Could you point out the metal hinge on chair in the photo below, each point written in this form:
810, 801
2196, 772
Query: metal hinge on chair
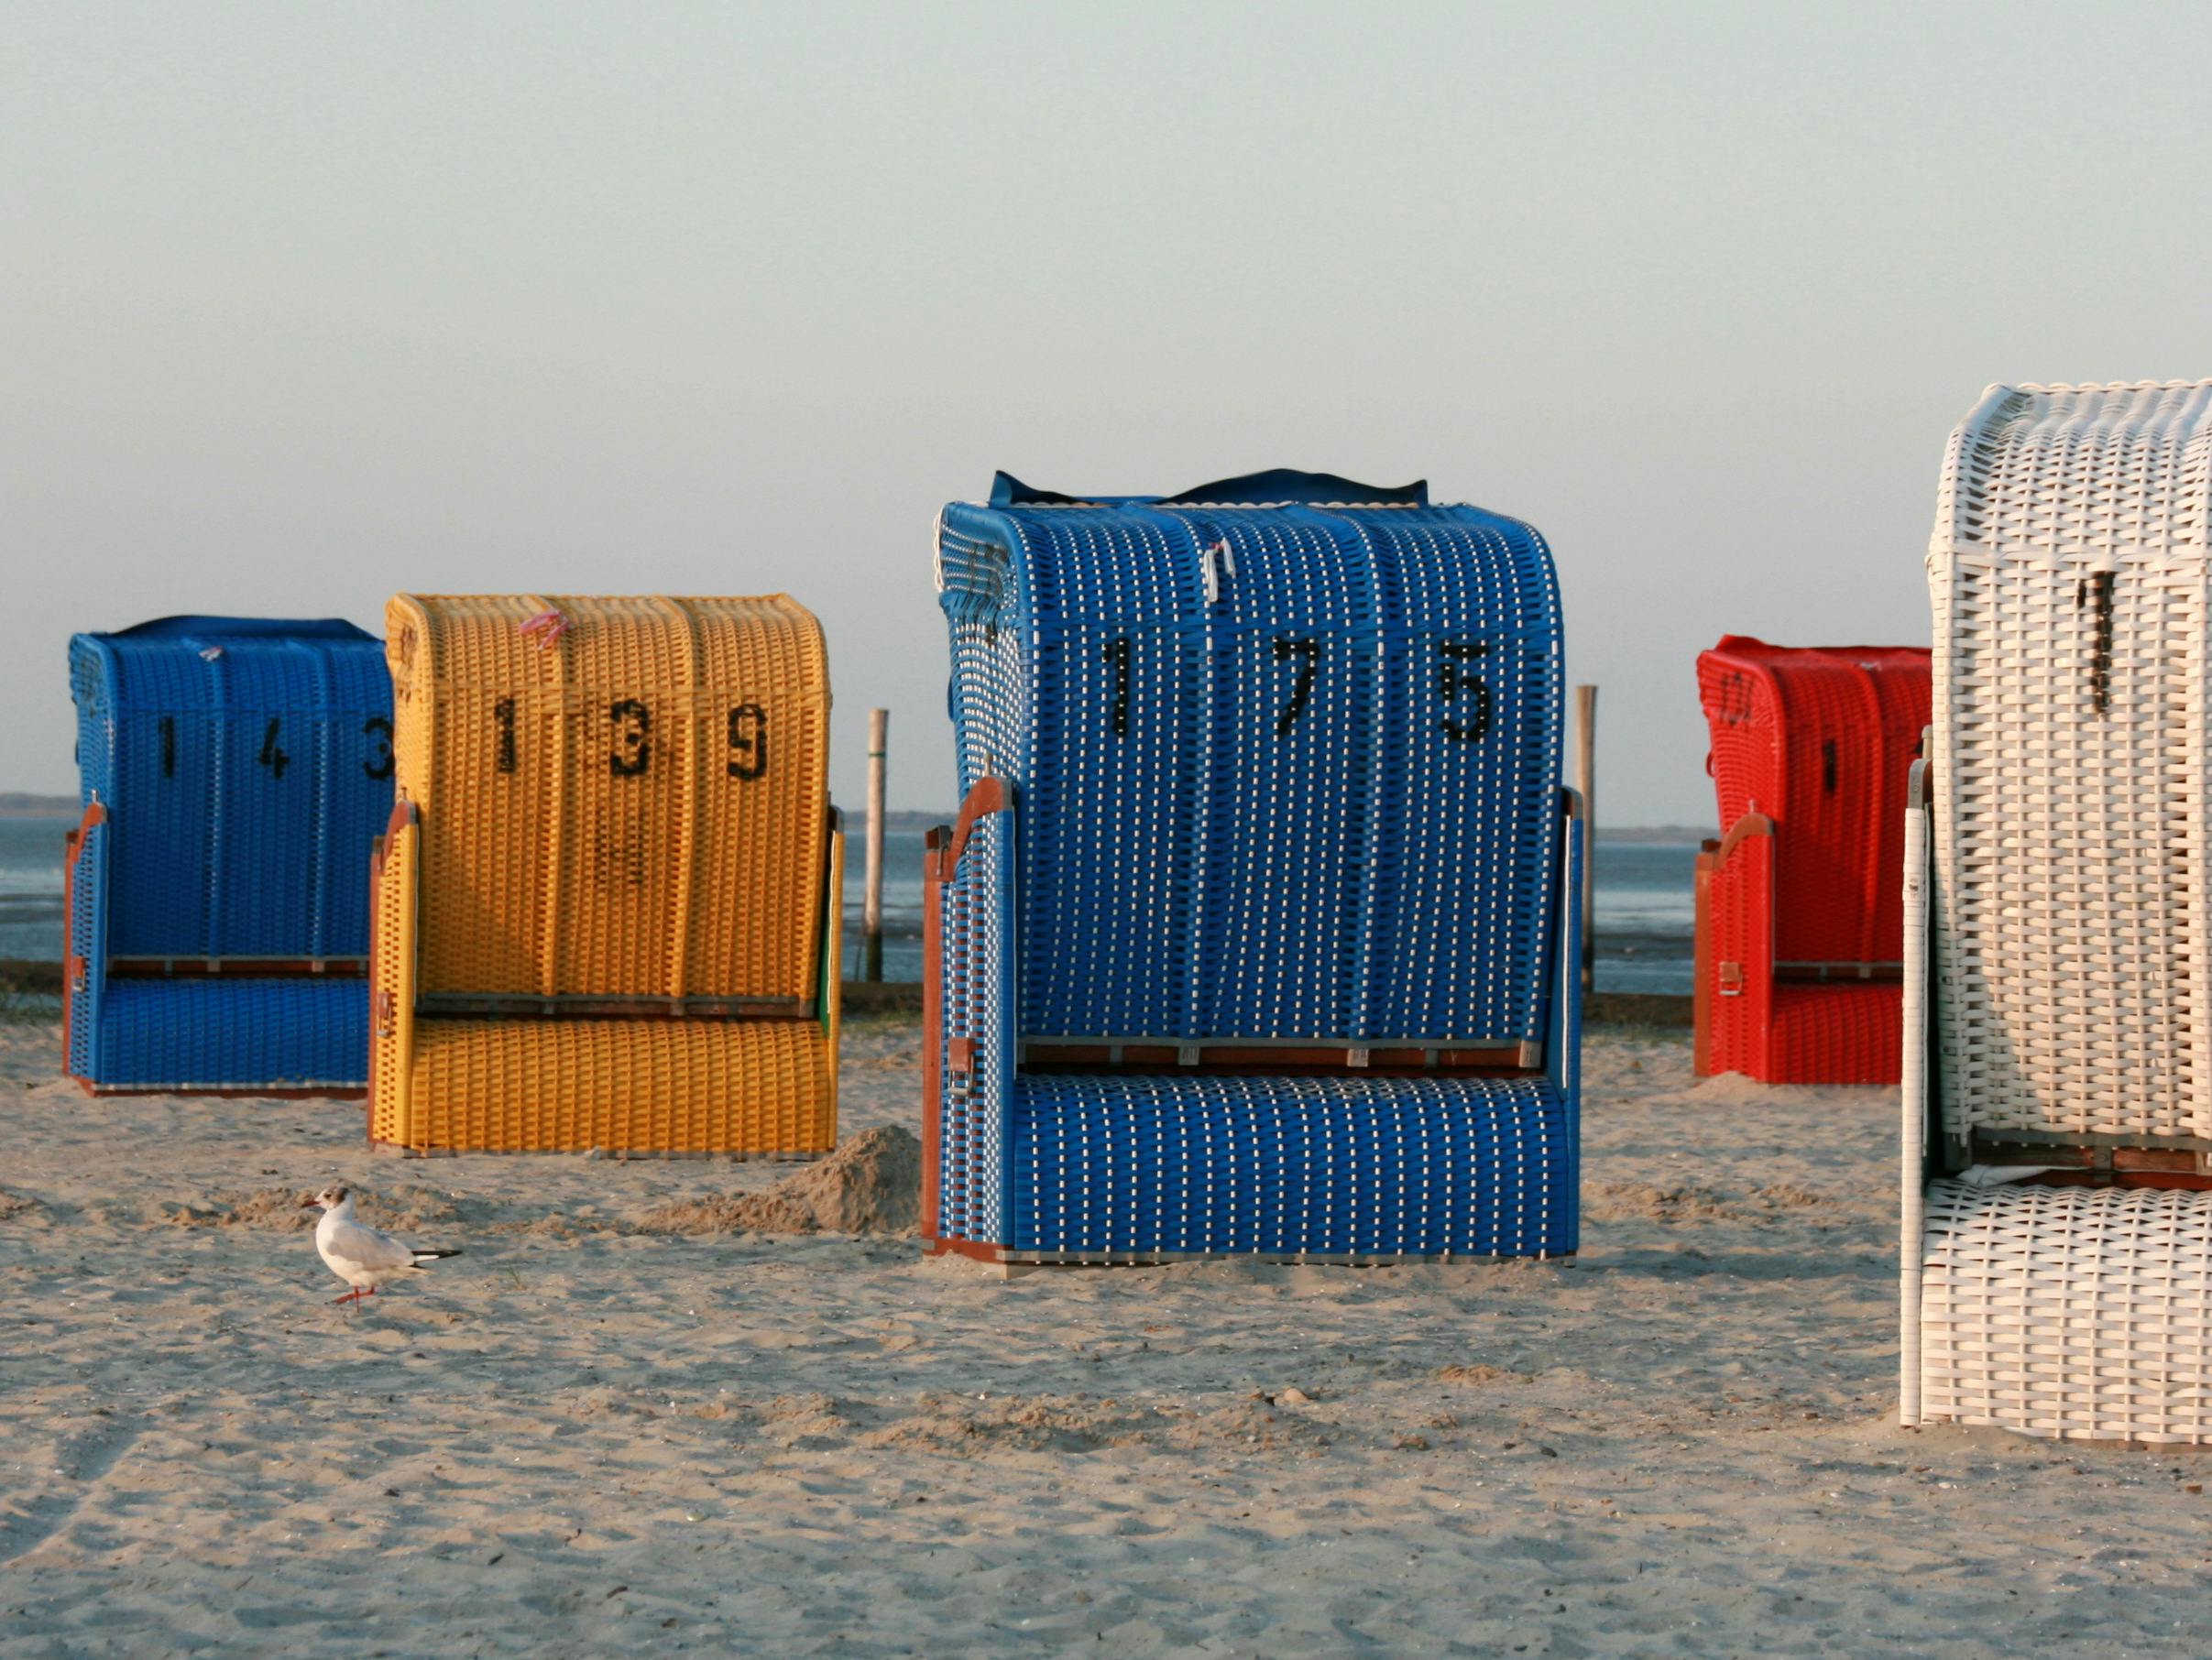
1732, 979
961, 1065
1214, 572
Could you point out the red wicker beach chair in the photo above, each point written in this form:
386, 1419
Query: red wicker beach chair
1800, 955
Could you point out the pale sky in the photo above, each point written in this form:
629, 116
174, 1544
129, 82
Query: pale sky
303, 304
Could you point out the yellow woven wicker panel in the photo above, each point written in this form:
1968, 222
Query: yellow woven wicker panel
391, 981
629, 805
757, 1088
764, 769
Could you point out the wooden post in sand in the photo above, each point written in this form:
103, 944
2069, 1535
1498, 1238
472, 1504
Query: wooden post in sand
871, 917
1585, 781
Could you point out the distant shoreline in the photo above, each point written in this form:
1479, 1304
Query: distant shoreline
17, 804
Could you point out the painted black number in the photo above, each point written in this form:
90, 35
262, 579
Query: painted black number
272, 757
1735, 699
168, 746
378, 728
2100, 649
749, 738
636, 738
504, 713
1308, 653
1452, 680
1116, 651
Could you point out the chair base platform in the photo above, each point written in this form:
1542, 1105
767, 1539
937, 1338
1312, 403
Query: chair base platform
2067, 1312
613, 1154
1000, 1255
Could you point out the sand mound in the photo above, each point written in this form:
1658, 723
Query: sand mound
730, 1213
1733, 1090
13, 1205
988, 1425
870, 1184
1686, 1202
1480, 1372
279, 1209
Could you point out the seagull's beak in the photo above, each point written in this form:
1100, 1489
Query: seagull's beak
314, 1204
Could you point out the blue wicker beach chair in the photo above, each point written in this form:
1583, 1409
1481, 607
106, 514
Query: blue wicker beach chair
235, 773
1249, 936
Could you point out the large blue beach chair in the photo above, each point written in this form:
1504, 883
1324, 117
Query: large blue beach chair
1251, 935
235, 773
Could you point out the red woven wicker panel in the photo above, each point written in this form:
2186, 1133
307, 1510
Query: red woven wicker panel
1820, 738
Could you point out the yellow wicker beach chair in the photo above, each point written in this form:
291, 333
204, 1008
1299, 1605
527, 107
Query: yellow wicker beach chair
606, 906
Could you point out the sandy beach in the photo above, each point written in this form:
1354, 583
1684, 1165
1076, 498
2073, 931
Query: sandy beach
595, 1433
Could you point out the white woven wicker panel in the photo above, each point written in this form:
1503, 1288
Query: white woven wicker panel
2077, 1311
2069, 573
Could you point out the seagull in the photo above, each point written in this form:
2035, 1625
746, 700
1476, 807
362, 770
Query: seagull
364, 1257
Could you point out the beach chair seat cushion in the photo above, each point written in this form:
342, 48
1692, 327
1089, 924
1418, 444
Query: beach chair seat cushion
2081, 1313
764, 1088
1094, 1167
235, 1034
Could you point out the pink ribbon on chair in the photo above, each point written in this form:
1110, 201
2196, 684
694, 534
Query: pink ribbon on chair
546, 627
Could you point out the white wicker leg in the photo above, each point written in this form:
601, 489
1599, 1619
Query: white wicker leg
1915, 1078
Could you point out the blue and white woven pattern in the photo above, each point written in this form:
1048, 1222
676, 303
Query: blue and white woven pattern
1099, 1167
1094, 1167
245, 767
1287, 772
978, 988
1283, 773
87, 945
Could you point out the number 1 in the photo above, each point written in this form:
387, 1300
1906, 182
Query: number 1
1116, 651
1309, 653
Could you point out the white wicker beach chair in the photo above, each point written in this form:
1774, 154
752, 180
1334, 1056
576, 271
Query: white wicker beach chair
2058, 999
